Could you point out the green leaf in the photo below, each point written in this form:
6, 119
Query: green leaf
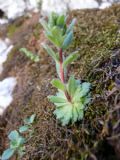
51, 52
61, 21
45, 25
60, 104
52, 19
70, 28
72, 57
20, 141
52, 39
74, 114
58, 68
68, 40
14, 135
21, 151
7, 154
64, 114
56, 99
30, 120
73, 111
58, 84
15, 144
23, 129
58, 37
30, 55
85, 89
72, 86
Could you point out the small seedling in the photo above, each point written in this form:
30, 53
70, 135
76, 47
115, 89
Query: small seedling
28, 125
17, 140
30, 55
16, 145
73, 95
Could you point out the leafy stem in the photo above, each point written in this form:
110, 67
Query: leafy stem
62, 75
73, 95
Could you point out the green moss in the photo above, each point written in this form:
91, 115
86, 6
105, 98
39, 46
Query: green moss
15, 26
36, 31
96, 36
11, 30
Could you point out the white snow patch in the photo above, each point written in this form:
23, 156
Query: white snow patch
6, 89
57, 6
82, 4
12, 8
5, 48
3, 21
32, 4
16, 8
61, 6
7, 85
105, 4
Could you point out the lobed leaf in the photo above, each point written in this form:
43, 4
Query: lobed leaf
64, 114
82, 91
72, 86
85, 89
74, 114
58, 84
56, 99
30, 55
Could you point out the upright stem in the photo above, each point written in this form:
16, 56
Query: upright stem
62, 76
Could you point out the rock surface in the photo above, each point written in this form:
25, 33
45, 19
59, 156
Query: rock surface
97, 35
7, 85
16, 8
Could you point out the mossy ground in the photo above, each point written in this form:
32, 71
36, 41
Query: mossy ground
97, 37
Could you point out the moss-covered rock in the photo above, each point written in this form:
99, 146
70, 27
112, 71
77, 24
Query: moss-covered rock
97, 37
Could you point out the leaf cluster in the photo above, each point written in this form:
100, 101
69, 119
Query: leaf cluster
17, 140
73, 110
27, 127
57, 31
30, 55
72, 96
